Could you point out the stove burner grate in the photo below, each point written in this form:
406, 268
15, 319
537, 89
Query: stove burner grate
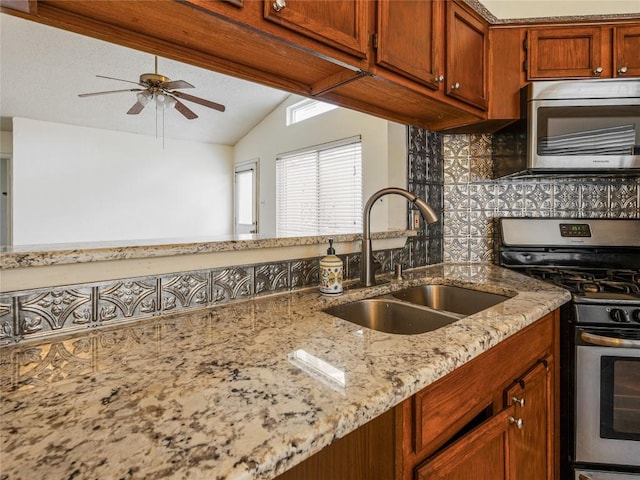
589, 280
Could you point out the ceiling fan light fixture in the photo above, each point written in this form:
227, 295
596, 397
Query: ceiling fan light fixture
170, 102
144, 97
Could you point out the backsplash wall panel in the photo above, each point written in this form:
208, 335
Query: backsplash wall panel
425, 179
473, 200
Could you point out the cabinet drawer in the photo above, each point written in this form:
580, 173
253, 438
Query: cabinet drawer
479, 454
446, 406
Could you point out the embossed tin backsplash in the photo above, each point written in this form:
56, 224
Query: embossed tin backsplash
473, 201
41, 313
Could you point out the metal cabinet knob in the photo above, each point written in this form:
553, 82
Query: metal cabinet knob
598, 71
455, 86
279, 5
439, 78
518, 422
519, 401
622, 70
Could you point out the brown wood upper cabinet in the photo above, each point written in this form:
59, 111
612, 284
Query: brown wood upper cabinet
604, 51
408, 47
341, 24
626, 48
452, 52
466, 56
562, 52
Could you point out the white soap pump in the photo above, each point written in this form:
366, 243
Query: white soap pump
331, 269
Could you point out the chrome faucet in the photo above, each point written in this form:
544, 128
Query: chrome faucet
369, 263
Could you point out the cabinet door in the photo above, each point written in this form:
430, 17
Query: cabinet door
530, 437
337, 23
565, 52
466, 57
409, 37
626, 52
479, 454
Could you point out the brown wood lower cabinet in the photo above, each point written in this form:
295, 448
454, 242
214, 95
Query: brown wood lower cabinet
494, 418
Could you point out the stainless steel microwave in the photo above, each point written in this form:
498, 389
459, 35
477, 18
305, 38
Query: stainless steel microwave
578, 126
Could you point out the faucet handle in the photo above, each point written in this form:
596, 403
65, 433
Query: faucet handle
376, 264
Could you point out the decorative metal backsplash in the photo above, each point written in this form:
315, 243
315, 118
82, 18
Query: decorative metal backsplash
45, 312
473, 200
460, 170
425, 179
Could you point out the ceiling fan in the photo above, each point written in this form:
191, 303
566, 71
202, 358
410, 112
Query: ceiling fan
163, 91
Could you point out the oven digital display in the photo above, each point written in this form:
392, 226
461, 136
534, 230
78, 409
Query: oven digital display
575, 230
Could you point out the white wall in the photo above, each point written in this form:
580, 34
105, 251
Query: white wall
6, 142
384, 157
78, 184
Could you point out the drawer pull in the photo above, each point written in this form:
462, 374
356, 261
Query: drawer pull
279, 5
519, 401
518, 422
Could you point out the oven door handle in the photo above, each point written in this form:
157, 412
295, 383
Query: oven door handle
609, 341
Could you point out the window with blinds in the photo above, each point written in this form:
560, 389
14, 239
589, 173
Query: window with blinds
319, 190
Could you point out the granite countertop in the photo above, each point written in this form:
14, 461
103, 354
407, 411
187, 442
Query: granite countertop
20, 256
241, 391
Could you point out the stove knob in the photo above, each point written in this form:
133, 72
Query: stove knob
619, 315
636, 315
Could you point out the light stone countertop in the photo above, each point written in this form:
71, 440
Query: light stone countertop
234, 392
21, 256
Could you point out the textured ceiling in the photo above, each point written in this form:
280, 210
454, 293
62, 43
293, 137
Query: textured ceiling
506, 9
43, 69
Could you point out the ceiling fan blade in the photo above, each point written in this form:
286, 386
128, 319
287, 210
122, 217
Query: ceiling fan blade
184, 110
176, 84
136, 109
110, 91
201, 101
120, 80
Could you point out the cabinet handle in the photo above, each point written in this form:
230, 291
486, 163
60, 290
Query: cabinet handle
622, 70
279, 5
519, 401
597, 71
455, 86
439, 78
518, 422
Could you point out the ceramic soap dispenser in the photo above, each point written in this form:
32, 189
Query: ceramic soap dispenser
331, 273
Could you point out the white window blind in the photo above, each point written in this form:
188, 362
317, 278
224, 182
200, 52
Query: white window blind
319, 190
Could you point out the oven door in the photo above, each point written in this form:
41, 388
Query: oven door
607, 416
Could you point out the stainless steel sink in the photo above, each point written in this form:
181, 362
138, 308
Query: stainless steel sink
392, 316
463, 301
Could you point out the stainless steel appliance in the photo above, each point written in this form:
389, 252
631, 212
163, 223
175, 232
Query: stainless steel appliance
577, 126
599, 262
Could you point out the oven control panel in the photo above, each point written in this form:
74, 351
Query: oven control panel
608, 314
575, 230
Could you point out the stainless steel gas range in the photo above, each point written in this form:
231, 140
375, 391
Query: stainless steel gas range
599, 262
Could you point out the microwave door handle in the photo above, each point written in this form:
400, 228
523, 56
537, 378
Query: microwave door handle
609, 341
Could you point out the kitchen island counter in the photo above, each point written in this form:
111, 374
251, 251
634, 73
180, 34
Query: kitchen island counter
240, 391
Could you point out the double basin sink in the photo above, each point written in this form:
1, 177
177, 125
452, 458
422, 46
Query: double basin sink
416, 310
